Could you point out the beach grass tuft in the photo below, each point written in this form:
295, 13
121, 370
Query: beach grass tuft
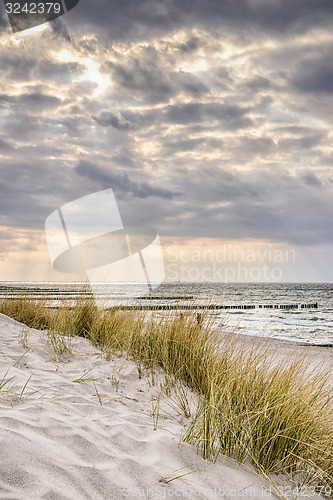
27, 310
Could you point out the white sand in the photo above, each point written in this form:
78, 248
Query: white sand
61, 443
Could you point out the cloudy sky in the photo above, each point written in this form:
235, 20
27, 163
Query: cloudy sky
210, 119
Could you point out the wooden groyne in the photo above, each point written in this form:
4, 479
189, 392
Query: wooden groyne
214, 307
135, 303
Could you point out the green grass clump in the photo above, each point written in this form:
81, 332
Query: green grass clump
249, 405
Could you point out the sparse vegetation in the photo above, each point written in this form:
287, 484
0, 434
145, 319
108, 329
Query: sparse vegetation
60, 343
270, 412
8, 389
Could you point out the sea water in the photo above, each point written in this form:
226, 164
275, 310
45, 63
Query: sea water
312, 325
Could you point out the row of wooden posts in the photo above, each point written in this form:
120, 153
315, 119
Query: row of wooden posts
216, 307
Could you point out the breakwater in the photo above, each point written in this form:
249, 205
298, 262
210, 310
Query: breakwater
217, 307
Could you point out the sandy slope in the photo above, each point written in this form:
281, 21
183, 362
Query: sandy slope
61, 443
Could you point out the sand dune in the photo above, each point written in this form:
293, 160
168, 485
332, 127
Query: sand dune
83, 428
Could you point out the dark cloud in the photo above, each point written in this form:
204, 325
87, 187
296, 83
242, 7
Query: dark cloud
113, 119
315, 75
255, 205
303, 143
228, 116
31, 102
28, 202
191, 45
182, 145
121, 182
139, 19
258, 83
16, 65
60, 30
311, 179
261, 146
142, 19
150, 78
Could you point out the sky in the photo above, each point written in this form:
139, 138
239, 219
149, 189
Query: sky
211, 121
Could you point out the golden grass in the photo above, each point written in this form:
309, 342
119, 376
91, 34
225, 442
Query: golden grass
248, 406
28, 311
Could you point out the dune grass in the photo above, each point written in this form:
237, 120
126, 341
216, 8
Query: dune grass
26, 310
250, 406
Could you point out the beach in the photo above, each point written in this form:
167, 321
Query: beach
279, 350
77, 424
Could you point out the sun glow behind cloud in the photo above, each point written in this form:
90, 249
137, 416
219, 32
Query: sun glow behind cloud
91, 72
66, 56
